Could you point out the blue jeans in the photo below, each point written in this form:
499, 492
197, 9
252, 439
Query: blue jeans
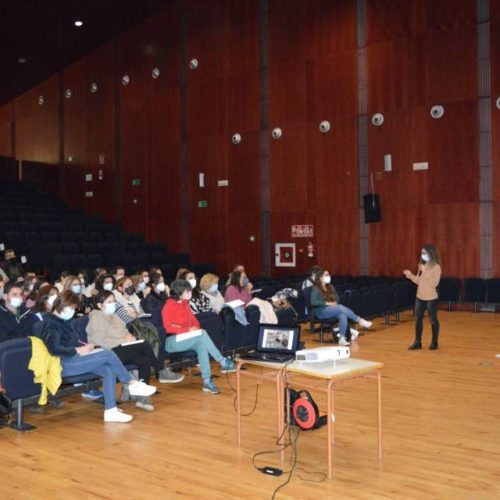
203, 346
105, 364
340, 312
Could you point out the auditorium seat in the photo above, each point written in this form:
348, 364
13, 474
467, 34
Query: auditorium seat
449, 290
494, 291
475, 291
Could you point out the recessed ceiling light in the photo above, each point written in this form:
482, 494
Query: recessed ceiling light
21, 60
78, 23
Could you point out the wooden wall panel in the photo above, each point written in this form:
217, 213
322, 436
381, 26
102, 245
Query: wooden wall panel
37, 127
410, 69
6, 118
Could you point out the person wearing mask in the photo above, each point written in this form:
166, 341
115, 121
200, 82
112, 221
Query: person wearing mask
324, 300
12, 267
104, 282
90, 291
73, 284
84, 280
177, 319
310, 280
128, 304
59, 283
16, 320
158, 294
108, 331
45, 298
199, 302
427, 280
238, 288
209, 286
139, 285
77, 358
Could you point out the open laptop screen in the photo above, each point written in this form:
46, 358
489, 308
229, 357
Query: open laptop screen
278, 339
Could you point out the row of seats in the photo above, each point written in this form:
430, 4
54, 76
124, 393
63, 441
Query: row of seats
58, 224
470, 290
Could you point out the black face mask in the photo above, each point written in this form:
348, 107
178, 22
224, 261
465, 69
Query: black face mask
12, 259
129, 290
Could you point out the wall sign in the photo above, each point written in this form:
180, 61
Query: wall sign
302, 231
284, 254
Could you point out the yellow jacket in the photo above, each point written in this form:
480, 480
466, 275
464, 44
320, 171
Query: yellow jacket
47, 369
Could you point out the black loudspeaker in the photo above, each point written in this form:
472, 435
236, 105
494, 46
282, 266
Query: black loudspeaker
371, 205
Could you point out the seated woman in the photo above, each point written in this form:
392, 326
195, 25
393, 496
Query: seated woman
209, 286
128, 304
199, 302
158, 294
76, 359
239, 287
90, 291
45, 298
73, 284
177, 319
139, 286
324, 300
105, 281
108, 331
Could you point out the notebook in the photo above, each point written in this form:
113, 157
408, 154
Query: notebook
276, 343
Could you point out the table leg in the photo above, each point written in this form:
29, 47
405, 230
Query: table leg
379, 396
238, 401
280, 398
330, 404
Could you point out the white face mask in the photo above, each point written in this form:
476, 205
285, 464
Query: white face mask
326, 279
192, 282
425, 257
51, 299
146, 279
76, 289
108, 286
67, 313
187, 296
160, 287
109, 308
16, 302
141, 286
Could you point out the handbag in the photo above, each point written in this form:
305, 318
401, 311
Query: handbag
5, 406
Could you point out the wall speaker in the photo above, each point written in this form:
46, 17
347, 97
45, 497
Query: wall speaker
371, 205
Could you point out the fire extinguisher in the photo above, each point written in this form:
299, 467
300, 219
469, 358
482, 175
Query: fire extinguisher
310, 250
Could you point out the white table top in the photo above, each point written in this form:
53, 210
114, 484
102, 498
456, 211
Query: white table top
327, 370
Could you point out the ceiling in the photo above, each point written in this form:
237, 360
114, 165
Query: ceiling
43, 33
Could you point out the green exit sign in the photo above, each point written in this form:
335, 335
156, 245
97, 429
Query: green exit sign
136, 182
202, 204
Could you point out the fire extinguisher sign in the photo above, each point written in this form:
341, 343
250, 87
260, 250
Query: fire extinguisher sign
302, 231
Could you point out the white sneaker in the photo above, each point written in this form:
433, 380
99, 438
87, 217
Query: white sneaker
354, 334
139, 388
145, 404
343, 341
116, 415
364, 323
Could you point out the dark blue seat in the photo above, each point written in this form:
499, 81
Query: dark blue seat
211, 322
475, 291
449, 290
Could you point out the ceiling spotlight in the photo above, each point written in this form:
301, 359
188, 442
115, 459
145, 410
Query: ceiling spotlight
78, 23
21, 60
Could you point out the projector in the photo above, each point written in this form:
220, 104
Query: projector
322, 354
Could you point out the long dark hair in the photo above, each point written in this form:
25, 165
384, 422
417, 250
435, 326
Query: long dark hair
326, 290
433, 253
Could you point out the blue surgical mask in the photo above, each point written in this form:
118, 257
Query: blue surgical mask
141, 286
245, 282
213, 289
76, 289
425, 257
16, 302
109, 308
67, 313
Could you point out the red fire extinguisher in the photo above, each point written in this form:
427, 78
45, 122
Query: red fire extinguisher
310, 250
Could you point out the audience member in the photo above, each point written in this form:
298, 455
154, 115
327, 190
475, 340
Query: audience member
139, 285
12, 267
128, 304
74, 285
209, 286
118, 272
16, 320
238, 288
59, 283
45, 298
104, 282
62, 340
90, 291
178, 319
107, 330
158, 294
324, 300
199, 302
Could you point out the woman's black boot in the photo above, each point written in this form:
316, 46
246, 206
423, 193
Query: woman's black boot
416, 345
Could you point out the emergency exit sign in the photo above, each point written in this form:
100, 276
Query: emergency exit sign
202, 204
136, 182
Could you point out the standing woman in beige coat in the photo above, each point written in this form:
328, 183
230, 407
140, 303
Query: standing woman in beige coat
427, 281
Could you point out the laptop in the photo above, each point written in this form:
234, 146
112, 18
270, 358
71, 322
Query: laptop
276, 343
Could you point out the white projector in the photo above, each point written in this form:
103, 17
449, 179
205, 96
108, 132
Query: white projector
322, 354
